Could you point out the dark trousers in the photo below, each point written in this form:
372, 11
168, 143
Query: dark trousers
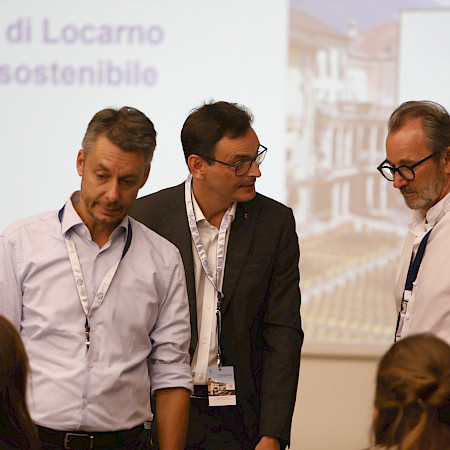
216, 428
211, 428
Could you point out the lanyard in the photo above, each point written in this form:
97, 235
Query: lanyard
413, 270
415, 262
79, 279
215, 279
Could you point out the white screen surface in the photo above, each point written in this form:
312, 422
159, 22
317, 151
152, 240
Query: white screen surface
61, 62
424, 63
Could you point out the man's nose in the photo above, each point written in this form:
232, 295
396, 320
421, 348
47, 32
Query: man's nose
254, 170
112, 194
399, 181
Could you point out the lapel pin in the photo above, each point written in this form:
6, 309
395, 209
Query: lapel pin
245, 216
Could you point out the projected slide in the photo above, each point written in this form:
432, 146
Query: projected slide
321, 77
60, 62
350, 64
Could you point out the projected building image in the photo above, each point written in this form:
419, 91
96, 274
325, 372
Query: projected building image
343, 86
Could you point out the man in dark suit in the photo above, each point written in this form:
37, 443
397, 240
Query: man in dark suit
240, 252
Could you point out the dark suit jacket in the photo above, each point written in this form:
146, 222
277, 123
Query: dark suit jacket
261, 327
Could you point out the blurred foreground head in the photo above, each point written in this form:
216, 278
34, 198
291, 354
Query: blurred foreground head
412, 402
16, 427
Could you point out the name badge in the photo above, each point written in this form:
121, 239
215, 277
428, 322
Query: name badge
221, 386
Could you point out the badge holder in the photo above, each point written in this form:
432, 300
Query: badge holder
221, 386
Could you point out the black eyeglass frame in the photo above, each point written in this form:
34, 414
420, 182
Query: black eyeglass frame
399, 168
252, 160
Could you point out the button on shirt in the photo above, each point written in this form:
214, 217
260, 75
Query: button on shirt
429, 307
206, 352
140, 332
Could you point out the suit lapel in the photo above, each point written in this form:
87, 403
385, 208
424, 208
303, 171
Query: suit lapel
241, 236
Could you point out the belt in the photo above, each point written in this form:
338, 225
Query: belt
88, 439
200, 391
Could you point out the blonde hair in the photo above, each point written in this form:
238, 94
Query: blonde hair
413, 395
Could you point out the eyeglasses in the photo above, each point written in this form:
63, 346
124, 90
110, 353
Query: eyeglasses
406, 172
243, 167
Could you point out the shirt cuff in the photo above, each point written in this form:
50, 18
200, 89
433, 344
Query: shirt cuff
165, 376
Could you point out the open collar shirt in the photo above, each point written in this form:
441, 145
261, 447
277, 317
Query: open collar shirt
139, 335
206, 352
429, 307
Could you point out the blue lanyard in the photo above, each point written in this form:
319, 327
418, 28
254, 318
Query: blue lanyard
415, 262
413, 270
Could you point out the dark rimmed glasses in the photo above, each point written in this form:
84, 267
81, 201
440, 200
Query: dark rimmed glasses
406, 172
243, 167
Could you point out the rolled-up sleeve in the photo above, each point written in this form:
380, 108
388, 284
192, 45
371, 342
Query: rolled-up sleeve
169, 359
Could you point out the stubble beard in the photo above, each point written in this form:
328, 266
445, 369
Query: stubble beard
97, 219
427, 197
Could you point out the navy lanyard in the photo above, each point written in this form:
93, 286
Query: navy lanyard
415, 262
413, 270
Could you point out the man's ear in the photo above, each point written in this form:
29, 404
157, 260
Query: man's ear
197, 166
81, 158
447, 160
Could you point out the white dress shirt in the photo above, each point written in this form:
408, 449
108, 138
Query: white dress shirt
139, 335
429, 307
206, 352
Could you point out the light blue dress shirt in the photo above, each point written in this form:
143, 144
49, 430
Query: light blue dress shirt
139, 335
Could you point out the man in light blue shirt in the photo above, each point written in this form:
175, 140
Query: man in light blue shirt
101, 303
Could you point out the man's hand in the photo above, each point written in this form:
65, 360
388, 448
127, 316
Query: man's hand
268, 443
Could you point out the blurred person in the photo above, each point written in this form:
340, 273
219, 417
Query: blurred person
418, 163
241, 255
412, 400
101, 303
17, 430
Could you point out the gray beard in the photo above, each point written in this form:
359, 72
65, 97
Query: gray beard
428, 196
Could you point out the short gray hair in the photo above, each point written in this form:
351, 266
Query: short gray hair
128, 128
435, 122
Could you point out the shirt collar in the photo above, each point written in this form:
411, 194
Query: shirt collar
70, 219
418, 218
199, 216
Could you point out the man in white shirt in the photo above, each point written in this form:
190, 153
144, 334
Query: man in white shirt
241, 258
101, 303
418, 163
